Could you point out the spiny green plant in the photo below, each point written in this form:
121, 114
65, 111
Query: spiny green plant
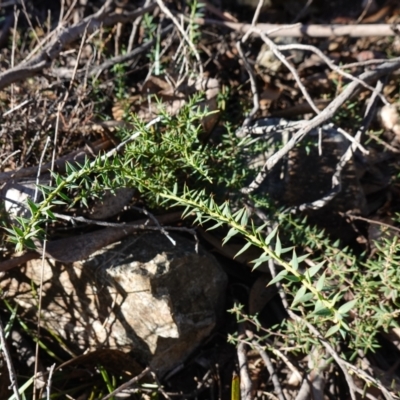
348, 297
157, 158
311, 291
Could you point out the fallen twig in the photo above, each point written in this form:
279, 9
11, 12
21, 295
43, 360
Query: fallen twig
352, 217
18, 260
48, 386
300, 30
330, 64
289, 66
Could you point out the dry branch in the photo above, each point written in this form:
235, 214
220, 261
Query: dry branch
299, 30
321, 118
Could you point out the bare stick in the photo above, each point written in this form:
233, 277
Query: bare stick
302, 11
135, 27
9, 156
366, 63
51, 34
65, 17
131, 138
60, 106
369, 379
10, 365
39, 311
370, 221
141, 226
255, 19
25, 11
300, 30
19, 260
160, 388
245, 381
85, 245
88, 243
16, 14
39, 170
331, 65
289, 66
305, 390
257, 12
364, 11
256, 97
24, 103
154, 219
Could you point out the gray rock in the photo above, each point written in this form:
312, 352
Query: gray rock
142, 296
